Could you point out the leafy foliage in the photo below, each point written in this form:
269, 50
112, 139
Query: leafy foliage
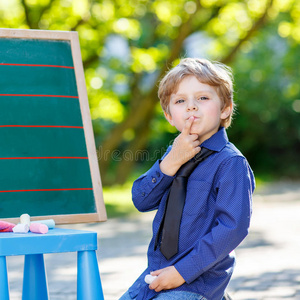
127, 45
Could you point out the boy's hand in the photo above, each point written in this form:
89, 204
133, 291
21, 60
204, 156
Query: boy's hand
168, 278
185, 147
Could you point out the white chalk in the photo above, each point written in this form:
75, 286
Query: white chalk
21, 228
149, 278
25, 219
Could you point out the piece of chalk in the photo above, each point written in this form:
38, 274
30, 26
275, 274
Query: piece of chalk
6, 226
149, 278
21, 228
50, 223
25, 219
38, 228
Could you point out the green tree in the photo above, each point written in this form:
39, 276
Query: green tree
128, 45
268, 93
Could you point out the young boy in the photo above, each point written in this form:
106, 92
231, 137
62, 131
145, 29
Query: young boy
197, 98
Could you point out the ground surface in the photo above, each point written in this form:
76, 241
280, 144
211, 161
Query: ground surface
268, 261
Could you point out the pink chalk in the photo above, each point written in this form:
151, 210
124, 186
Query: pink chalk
6, 226
38, 228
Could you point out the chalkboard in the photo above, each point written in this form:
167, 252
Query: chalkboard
48, 160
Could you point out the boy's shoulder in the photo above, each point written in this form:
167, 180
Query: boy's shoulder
225, 156
231, 150
229, 154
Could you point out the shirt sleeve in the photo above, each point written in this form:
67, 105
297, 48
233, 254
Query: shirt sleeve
149, 188
233, 186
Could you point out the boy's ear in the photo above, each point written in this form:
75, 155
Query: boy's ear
169, 118
226, 111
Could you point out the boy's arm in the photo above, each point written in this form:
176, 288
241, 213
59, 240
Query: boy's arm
148, 189
233, 211
185, 147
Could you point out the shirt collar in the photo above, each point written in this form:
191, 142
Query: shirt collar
217, 141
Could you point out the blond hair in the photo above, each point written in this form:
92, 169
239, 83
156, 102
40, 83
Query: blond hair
214, 74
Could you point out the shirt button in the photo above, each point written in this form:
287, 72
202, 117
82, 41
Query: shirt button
143, 194
153, 179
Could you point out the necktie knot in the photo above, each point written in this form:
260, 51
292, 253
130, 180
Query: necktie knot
187, 169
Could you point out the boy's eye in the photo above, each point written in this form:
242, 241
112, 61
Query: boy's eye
179, 101
203, 98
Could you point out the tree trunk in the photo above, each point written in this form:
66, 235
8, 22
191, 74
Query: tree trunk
134, 153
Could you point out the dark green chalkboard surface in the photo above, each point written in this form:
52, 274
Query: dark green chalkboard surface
48, 161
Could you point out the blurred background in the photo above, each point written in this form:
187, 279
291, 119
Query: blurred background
127, 45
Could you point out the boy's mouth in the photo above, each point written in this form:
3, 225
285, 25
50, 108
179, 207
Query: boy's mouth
195, 118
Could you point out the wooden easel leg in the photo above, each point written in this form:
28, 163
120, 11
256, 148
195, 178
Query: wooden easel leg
34, 280
88, 277
4, 290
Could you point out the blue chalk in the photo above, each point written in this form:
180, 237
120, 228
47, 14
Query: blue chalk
50, 223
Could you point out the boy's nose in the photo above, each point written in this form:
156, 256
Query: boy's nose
191, 105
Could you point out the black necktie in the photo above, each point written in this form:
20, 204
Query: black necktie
171, 220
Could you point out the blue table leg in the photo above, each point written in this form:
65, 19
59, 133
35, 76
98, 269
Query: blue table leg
88, 277
4, 291
34, 280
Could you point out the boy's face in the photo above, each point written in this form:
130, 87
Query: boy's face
194, 98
